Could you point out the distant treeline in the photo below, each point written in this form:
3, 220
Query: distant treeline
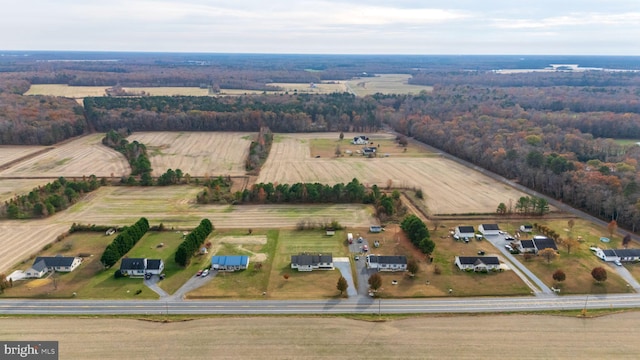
280, 113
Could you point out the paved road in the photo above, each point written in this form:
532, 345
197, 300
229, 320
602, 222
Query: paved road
360, 305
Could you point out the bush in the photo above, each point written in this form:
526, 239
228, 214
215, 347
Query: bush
117, 274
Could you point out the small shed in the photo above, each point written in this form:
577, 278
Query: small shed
330, 231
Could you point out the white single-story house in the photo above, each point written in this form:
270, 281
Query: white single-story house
387, 262
310, 262
461, 232
478, 263
622, 255
489, 229
44, 264
229, 262
140, 266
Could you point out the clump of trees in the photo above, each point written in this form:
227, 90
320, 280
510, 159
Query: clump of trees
418, 233
192, 242
46, 200
134, 152
259, 150
124, 242
216, 190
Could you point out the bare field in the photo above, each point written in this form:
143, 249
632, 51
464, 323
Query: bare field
449, 188
386, 84
196, 153
64, 90
445, 337
10, 153
316, 88
10, 188
82, 156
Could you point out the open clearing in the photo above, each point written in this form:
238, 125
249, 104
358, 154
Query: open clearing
82, 156
386, 84
449, 188
339, 338
196, 153
63, 90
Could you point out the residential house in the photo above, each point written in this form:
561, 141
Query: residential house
229, 262
543, 242
360, 140
44, 264
478, 263
489, 229
135, 267
622, 255
387, 262
526, 228
310, 262
527, 246
464, 232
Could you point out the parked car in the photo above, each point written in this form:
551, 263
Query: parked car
356, 258
508, 247
205, 272
365, 248
199, 273
617, 262
480, 252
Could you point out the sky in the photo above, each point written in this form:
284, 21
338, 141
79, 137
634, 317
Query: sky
452, 27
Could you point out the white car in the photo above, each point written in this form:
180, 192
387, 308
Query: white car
205, 272
617, 262
508, 247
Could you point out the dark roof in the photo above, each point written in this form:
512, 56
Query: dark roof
311, 259
609, 253
490, 226
527, 226
39, 265
388, 259
153, 264
544, 244
132, 264
54, 261
527, 244
627, 252
473, 260
466, 229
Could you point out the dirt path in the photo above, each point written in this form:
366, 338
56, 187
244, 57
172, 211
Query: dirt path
445, 337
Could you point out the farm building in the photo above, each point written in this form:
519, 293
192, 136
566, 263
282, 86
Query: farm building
461, 232
478, 263
44, 264
387, 263
368, 150
229, 262
489, 229
330, 231
141, 266
360, 140
526, 228
310, 262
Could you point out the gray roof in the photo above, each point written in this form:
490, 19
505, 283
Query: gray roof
311, 259
473, 260
132, 264
388, 259
39, 266
466, 229
55, 261
153, 264
544, 244
490, 226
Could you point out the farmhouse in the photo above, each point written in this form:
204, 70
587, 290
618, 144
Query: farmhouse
44, 264
462, 232
140, 266
229, 262
489, 229
310, 262
360, 140
387, 263
527, 246
478, 263
622, 255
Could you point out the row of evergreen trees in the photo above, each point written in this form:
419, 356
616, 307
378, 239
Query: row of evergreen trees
124, 242
192, 242
418, 233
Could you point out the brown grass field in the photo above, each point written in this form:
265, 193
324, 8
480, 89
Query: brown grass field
63, 90
386, 84
196, 153
449, 188
10, 188
79, 157
426, 337
10, 153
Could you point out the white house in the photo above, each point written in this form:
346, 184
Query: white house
526, 228
622, 255
489, 229
360, 140
461, 232
229, 262
140, 266
387, 263
478, 263
310, 262
44, 264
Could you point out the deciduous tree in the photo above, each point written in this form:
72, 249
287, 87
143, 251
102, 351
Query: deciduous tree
412, 266
375, 281
548, 254
342, 284
599, 274
559, 275
612, 227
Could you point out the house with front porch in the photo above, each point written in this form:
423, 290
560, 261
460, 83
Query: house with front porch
464, 231
387, 262
478, 263
44, 264
310, 262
